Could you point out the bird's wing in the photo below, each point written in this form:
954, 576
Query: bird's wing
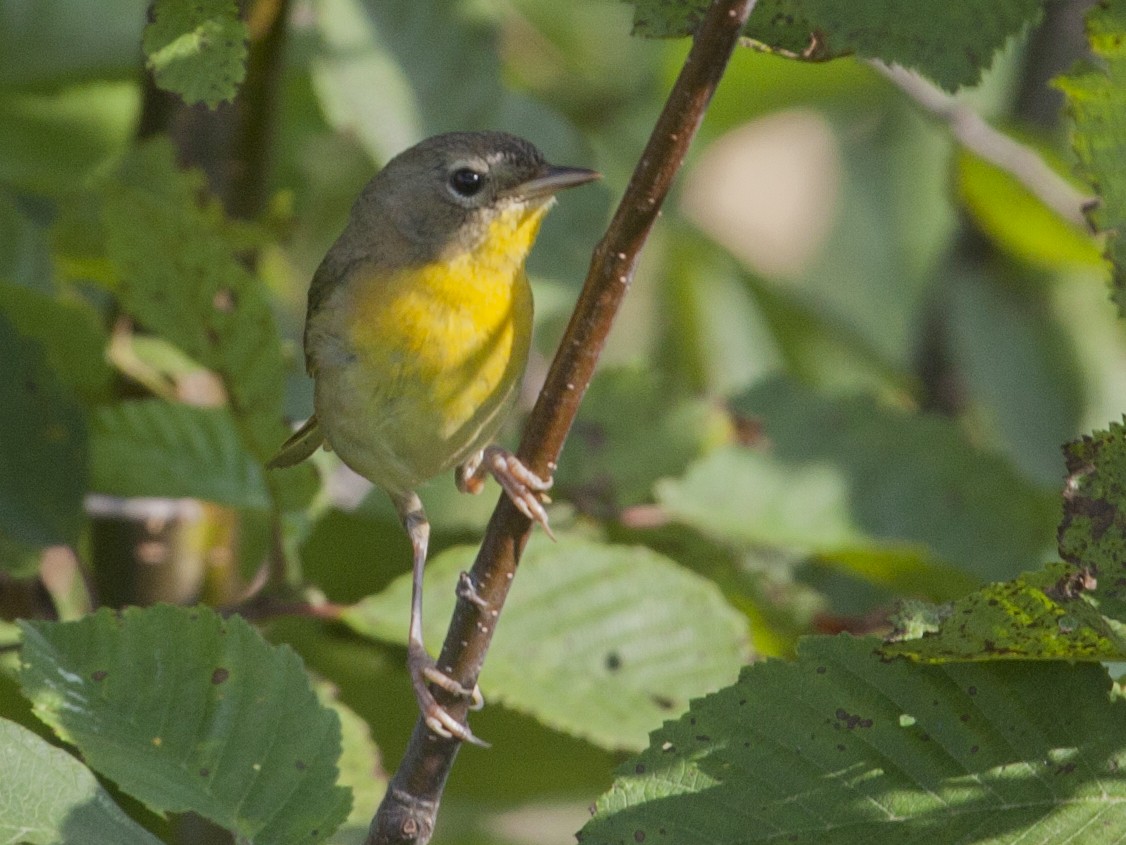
304, 442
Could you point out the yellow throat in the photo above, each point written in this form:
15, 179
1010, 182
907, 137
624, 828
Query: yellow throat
439, 354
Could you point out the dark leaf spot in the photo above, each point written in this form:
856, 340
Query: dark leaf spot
99, 675
220, 675
613, 661
300, 765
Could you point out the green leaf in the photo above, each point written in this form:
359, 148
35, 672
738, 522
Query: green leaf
842, 747
181, 278
950, 42
156, 448
197, 49
846, 472
900, 572
49, 798
43, 462
1096, 106
716, 339
47, 42
361, 770
70, 333
1092, 534
749, 498
1009, 353
630, 431
51, 141
1044, 615
378, 45
1017, 221
602, 642
187, 711
25, 247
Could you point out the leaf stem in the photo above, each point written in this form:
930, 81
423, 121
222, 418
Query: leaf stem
410, 806
975, 133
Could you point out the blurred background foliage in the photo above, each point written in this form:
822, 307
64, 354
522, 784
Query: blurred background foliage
843, 375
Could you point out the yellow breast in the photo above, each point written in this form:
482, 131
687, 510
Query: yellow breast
437, 354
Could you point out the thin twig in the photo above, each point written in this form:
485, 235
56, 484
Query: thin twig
406, 816
974, 133
252, 143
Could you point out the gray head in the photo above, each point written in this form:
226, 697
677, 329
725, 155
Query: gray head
441, 194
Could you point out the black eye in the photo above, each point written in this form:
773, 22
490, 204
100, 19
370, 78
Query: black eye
466, 182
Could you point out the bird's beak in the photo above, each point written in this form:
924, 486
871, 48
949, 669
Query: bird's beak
554, 179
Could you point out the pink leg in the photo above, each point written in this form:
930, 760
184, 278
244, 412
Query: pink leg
423, 669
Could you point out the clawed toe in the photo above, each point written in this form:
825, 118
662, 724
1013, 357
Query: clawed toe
424, 672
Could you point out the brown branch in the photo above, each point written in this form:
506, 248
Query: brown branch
411, 804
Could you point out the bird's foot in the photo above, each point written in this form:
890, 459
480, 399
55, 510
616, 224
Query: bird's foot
424, 671
525, 488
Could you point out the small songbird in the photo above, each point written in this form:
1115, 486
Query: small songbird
417, 335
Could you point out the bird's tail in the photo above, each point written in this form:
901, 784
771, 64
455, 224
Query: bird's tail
304, 442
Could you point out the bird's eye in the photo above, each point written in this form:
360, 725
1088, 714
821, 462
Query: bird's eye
466, 182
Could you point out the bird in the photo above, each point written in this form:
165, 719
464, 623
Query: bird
417, 333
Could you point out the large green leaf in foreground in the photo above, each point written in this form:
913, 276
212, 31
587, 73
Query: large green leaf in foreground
48, 797
190, 712
600, 641
843, 748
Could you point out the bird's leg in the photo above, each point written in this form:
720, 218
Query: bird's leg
423, 670
524, 487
